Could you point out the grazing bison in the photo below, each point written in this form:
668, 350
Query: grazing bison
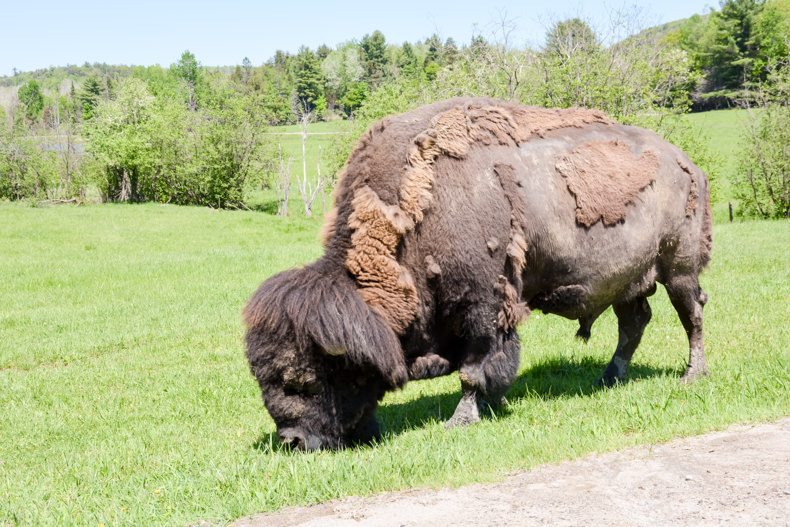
451, 223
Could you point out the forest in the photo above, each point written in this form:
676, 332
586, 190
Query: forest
201, 135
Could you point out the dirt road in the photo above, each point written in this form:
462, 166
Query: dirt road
740, 476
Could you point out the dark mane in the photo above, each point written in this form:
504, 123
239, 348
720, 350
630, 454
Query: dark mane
319, 305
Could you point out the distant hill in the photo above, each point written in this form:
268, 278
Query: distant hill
661, 31
53, 78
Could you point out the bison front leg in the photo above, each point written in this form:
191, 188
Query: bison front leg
688, 299
486, 374
632, 317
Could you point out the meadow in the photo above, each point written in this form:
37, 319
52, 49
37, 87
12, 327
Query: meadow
126, 398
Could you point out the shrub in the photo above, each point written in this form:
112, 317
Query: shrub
25, 170
157, 149
763, 182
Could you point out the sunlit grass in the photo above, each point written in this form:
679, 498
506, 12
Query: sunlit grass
126, 398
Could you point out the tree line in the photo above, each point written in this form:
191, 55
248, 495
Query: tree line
194, 135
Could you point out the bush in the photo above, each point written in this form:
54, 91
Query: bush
25, 171
763, 182
157, 149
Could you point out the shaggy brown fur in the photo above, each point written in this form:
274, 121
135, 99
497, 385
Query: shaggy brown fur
513, 311
378, 227
537, 122
384, 284
517, 247
605, 178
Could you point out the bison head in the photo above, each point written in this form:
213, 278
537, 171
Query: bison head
322, 357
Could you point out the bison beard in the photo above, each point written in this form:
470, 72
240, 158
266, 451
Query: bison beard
451, 223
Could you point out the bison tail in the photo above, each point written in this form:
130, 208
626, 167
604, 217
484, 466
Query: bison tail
706, 239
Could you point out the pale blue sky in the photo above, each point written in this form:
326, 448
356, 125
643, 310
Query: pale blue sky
38, 34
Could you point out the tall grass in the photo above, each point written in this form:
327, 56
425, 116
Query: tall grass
126, 398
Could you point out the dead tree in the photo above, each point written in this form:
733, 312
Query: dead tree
283, 184
307, 189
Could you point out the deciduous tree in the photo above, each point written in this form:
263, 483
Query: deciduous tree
32, 99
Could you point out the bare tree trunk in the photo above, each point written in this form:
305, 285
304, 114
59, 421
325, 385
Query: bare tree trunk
126, 187
306, 189
321, 181
283, 185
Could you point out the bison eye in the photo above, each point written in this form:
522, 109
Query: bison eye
301, 381
313, 388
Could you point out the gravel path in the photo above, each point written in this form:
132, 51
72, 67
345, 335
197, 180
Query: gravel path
740, 476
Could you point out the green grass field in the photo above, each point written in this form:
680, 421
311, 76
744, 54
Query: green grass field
126, 398
724, 129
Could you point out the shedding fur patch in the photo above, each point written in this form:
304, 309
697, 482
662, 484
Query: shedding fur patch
513, 311
378, 227
605, 178
376, 231
691, 202
517, 244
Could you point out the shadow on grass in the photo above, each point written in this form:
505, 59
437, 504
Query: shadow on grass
268, 443
269, 207
558, 377
563, 377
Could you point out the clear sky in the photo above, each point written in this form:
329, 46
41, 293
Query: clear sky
41, 33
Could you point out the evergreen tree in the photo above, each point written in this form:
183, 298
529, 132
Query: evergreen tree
309, 81
236, 76
374, 57
246, 70
89, 96
450, 51
730, 55
433, 58
323, 51
408, 62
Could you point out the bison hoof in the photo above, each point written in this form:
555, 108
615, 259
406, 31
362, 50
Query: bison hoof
466, 413
460, 421
692, 375
607, 381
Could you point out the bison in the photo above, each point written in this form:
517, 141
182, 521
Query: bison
451, 223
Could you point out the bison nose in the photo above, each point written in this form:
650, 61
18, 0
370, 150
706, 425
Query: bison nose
298, 439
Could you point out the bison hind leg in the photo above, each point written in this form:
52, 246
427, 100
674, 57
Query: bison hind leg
632, 317
688, 300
